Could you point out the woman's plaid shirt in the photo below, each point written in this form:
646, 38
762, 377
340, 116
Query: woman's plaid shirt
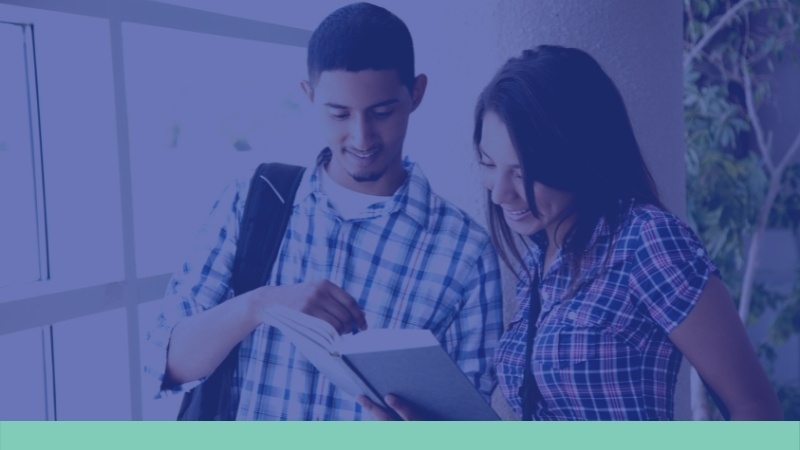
602, 352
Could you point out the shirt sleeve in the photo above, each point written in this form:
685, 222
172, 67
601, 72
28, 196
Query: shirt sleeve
200, 284
472, 337
669, 271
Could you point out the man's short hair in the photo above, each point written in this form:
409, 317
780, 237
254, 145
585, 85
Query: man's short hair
358, 37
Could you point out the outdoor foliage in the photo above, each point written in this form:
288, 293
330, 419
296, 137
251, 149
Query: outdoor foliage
738, 183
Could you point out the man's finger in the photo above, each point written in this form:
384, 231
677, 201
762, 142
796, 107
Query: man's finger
340, 327
402, 408
349, 303
376, 411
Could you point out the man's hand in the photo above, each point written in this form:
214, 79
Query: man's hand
321, 299
402, 408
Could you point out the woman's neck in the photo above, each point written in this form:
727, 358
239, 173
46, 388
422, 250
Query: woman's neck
555, 240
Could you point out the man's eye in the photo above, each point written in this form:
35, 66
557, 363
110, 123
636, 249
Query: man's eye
382, 114
337, 114
485, 163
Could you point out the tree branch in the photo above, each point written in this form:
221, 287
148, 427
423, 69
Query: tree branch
687, 4
723, 20
793, 149
762, 144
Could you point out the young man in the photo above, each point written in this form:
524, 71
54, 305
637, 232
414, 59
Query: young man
368, 244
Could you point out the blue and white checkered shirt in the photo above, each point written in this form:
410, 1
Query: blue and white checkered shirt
602, 350
416, 262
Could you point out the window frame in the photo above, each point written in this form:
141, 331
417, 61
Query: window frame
43, 303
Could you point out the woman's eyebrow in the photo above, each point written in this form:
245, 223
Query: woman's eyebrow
483, 153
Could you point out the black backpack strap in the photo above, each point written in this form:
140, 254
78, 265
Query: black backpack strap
266, 215
267, 210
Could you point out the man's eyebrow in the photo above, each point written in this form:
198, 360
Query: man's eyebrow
389, 102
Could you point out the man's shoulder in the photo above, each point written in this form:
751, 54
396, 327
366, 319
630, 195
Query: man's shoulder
242, 179
446, 217
443, 216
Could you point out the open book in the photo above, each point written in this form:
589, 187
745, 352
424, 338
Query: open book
409, 363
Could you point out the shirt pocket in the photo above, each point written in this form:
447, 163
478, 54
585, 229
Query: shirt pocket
568, 348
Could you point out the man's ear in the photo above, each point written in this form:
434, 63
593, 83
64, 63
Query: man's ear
308, 89
420, 83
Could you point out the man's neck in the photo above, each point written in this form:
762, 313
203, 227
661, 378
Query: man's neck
386, 185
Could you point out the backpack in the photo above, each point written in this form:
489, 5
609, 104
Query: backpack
266, 215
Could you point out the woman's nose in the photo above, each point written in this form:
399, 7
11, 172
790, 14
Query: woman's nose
502, 189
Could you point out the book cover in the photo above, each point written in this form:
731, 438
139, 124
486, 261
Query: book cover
408, 363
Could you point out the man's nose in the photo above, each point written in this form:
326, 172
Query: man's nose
361, 134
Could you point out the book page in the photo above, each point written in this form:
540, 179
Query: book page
384, 339
317, 341
310, 328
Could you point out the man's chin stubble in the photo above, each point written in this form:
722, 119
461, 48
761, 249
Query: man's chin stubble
367, 178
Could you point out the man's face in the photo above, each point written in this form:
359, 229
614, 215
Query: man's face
365, 116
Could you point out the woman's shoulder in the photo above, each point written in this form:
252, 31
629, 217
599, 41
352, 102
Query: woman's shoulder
644, 218
659, 232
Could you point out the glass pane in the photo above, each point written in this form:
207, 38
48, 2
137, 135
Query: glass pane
203, 109
91, 367
78, 150
24, 255
22, 380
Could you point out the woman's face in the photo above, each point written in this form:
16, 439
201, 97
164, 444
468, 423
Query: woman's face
502, 175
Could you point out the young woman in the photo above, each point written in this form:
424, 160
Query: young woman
613, 288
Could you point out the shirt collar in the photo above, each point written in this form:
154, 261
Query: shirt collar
412, 198
539, 240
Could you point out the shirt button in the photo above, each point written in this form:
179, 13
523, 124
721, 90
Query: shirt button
699, 252
544, 297
572, 315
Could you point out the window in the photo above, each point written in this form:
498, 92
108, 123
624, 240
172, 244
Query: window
23, 238
202, 110
129, 139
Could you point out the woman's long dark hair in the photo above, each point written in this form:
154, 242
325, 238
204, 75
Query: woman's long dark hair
571, 131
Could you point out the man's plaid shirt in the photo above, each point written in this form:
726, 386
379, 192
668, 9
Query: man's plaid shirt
415, 262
